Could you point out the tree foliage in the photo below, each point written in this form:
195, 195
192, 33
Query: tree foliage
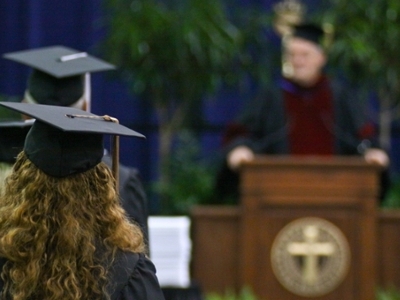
367, 39
176, 53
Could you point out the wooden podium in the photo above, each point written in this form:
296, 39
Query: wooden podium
306, 228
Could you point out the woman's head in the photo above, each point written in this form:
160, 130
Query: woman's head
61, 222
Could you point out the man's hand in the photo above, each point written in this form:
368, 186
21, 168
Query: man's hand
239, 155
377, 157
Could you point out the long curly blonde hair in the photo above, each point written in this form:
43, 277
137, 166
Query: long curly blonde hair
57, 233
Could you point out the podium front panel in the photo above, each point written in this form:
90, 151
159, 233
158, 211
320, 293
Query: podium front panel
298, 218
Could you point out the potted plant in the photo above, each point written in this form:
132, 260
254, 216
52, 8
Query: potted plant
366, 47
175, 52
245, 293
192, 176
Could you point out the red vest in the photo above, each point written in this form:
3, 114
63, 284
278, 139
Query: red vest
310, 111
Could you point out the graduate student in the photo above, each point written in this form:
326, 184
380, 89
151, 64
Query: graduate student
13, 131
63, 232
60, 76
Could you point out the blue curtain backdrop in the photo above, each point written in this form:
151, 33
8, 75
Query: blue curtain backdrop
28, 24
78, 24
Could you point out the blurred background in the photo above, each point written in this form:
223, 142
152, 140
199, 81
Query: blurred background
185, 68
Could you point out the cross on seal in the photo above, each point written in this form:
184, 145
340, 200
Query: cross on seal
311, 250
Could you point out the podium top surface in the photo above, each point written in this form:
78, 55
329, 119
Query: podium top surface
311, 161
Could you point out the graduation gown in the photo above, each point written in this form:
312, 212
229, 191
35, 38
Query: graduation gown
267, 124
131, 277
264, 127
132, 195
134, 278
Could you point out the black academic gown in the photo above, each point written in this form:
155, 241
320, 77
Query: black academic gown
134, 278
267, 124
264, 128
132, 195
131, 277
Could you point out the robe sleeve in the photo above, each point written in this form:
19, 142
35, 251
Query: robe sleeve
143, 283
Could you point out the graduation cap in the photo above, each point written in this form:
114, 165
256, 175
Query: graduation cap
310, 32
57, 75
13, 131
12, 137
64, 141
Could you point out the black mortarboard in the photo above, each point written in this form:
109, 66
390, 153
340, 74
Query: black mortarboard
310, 32
57, 75
13, 131
12, 137
65, 140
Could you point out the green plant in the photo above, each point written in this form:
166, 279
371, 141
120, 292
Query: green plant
173, 53
191, 177
388, 294
392, 196
366, 45
7, 114
245, 293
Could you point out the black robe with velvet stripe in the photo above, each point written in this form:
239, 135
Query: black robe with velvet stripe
264, 126
267, 126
